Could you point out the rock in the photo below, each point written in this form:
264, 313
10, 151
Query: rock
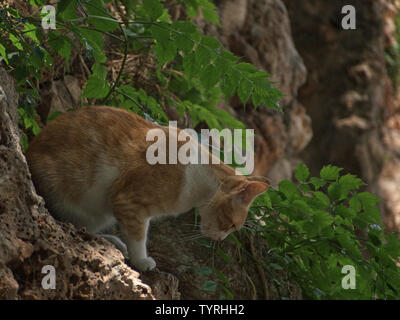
389, 183
60, 96
260, 32
87, 267
344, 92
300, 130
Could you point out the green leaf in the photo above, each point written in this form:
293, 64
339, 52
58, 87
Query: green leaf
323, 198
204, 271
330, 172
24, 142
334, 190
164, 49
368, 198
184, 26
66, 9
189, 65
302, 173
245, 89
223, 255
229, 83
305, 188
392, 245
153, 8
35, 127
186, 35
98, 16
210, 42
203, 56
164, 53
344, 211
30, 32
351, 182
155, 109
322, 219
276, 266
204, 243
289, 189
209, 77
368, 201
60, 44
16, 42
3, 53
209, 286
161, 33
248, 68
96, 85
95, 88
317, 182
94, 41
209, 12
302, 206
355, 204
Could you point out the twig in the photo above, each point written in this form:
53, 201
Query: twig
254, 297
121, 69
258, 265
85, 67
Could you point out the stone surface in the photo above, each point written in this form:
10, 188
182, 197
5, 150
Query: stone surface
87, 267
346, 93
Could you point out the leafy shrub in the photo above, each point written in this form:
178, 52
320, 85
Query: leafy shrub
312, 230
324, 223
194, 71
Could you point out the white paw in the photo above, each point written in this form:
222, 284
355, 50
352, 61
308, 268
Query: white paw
145, 264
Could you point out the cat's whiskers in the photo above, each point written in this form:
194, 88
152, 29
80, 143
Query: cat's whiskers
191, 236
197, 226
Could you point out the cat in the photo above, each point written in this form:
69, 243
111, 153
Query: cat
90, 167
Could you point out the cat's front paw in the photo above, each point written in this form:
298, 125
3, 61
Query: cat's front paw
145, 264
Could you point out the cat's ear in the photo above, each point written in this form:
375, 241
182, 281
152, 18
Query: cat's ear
251, 191
233, 184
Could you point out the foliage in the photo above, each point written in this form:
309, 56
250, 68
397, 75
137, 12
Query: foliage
314, 229
194, 72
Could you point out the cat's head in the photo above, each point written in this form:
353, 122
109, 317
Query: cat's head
229, 207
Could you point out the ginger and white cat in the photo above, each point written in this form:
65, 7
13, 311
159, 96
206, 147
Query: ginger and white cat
90, 166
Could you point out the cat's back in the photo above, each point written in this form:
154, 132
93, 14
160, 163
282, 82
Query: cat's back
78, 155
89, 128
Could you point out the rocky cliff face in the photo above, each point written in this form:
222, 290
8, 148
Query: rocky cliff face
86, 266
348, 93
